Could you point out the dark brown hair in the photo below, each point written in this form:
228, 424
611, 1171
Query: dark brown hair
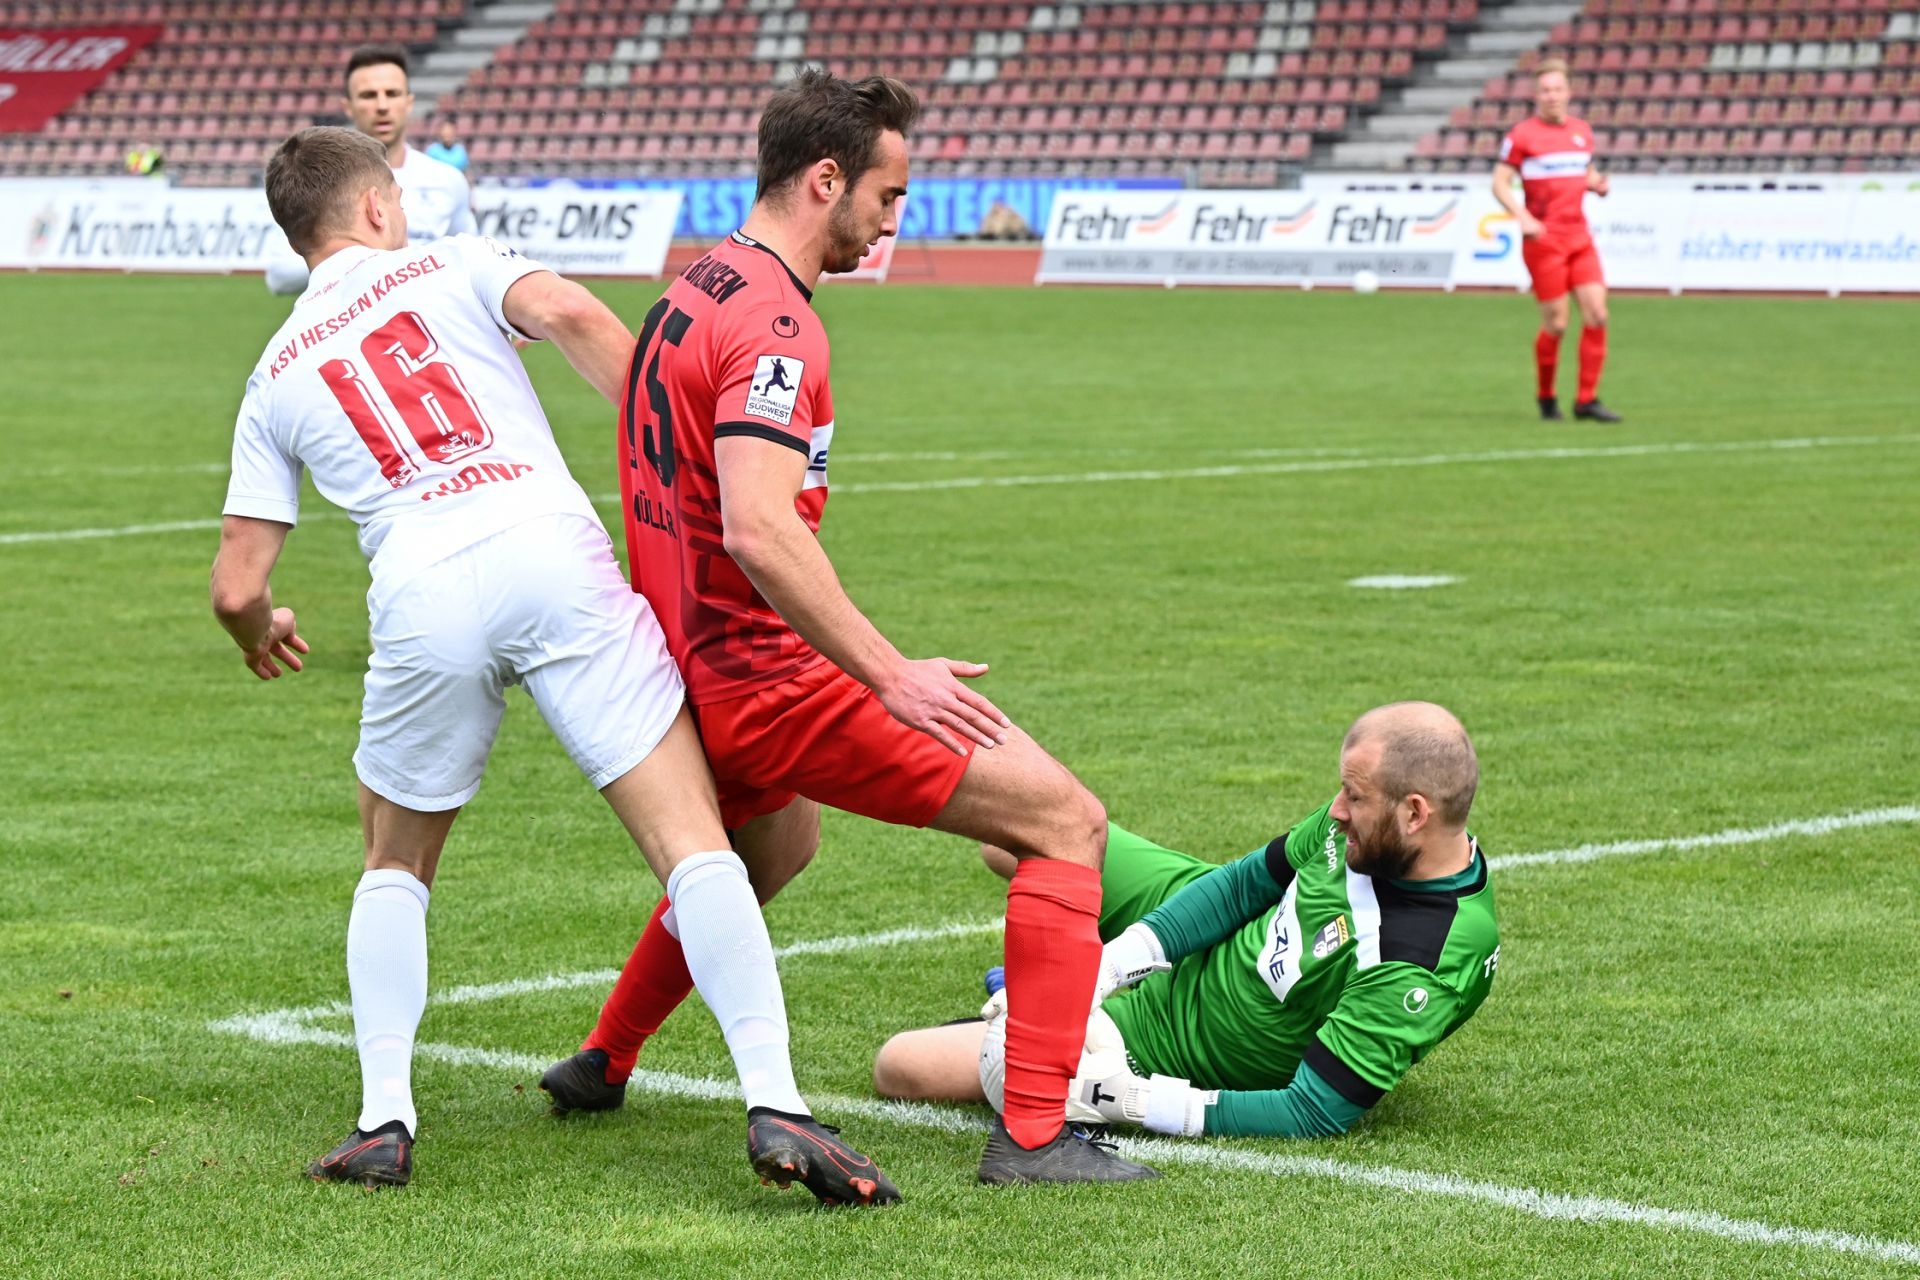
316, 175
377, 55
822, 117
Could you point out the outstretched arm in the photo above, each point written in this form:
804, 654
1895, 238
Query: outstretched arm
243, 600
594, 340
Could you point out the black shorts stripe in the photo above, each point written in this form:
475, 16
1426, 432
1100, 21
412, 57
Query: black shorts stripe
759, 432
1345, 1080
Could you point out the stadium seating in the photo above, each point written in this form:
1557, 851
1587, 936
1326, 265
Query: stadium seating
1229, 91
224, 83
1739, 86
1226, 92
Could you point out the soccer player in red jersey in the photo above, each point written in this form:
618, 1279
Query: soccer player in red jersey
1552, 154
800, 700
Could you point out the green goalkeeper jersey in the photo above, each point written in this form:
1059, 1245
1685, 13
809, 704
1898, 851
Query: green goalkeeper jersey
1288, 956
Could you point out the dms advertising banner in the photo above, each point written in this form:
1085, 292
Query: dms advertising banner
941, 208
43, 71
135, 224
1251, 238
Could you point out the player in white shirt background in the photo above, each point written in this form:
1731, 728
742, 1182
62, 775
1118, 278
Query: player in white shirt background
378, 103
393, 382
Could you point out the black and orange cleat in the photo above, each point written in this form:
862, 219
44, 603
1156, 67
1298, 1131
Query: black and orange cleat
580, 1083
1594, 411
786, 1149
382, 1158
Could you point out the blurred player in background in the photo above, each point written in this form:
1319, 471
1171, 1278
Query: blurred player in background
1283, 994
378, 103
801, 701
1551, 152
393, 383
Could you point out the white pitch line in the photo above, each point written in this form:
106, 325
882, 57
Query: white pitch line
1369, 464
1403, 581
1897, 814
1550, 1205
1320, 465
289, 1028
811, 947
120, 531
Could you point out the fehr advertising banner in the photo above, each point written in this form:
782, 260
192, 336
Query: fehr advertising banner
1250, 237
1850, 235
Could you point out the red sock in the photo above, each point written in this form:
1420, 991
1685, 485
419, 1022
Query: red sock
1593, 354
1053, 954
1546, 361
651, 986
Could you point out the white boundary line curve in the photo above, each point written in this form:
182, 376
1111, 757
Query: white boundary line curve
1315, 466
295, 1026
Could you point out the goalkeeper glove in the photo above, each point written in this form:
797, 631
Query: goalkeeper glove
1163, 1104
1129, 958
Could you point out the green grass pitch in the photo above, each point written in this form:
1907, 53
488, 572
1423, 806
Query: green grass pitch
1144, 509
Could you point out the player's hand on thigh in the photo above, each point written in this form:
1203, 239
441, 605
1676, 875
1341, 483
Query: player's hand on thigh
927, 695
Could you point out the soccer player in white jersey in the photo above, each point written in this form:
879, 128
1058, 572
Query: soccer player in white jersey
394, 384
435, 195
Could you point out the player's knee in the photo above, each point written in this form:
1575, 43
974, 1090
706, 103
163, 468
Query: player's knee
1595, 319
1083, 836
892, 1073
1553, 324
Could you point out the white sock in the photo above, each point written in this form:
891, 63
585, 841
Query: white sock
731, 959
387, 974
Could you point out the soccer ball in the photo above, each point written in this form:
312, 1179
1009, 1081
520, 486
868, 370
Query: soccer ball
1103, 1057
1365, 281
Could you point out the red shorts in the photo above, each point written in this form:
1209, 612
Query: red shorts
1558, 263
825, 736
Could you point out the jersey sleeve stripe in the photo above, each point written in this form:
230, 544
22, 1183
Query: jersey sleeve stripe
1277, 864
759, 432
1344, 1079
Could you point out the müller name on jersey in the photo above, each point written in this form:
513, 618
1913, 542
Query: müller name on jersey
652, 515
327, 328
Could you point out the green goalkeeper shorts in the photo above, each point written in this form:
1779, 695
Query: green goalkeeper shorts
1139, 875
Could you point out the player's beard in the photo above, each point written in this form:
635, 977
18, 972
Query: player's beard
1382, 852
845, 243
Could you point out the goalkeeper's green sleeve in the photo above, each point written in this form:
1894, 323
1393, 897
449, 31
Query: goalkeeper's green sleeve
1213, 906
1307, 1108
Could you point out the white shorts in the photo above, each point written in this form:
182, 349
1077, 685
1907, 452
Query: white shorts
543, 603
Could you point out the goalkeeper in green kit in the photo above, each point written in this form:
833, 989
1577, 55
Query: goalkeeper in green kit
1283, 994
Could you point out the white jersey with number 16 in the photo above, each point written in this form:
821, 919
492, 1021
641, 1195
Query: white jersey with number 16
395, 384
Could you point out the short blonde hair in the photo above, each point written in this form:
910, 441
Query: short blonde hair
1549, 66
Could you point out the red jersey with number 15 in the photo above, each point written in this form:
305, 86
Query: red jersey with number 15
1553, 160
732, 348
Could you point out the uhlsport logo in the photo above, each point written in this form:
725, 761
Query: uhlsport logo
1495, 232
1415, 1001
